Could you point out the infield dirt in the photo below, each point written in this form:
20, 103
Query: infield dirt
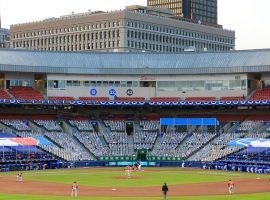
8, 185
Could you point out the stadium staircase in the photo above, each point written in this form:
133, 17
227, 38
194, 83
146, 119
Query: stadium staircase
178, 146
102, 129
201, 147
67, 128
130, 144
233, 127
157, 142
39, 130
224, 128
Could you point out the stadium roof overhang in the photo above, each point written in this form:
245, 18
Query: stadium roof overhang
128, 71
252, 61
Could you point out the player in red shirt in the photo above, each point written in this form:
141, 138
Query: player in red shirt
231, 186
74, 189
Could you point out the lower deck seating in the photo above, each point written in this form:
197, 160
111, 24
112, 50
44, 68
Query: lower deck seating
82, 125
167, 144
144, 139
92, 142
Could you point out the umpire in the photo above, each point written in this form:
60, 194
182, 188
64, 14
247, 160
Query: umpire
165, 189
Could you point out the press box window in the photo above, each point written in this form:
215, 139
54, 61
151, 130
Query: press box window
93, 83
99, 83
117, 84
86, 83
69, 83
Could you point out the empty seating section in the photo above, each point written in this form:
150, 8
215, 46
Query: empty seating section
165, 99
64, 145
49, 125
85, 134
115, 125
81, 142
118, 143
18, 125
92, 142
167, 144
118, 149
193, 142
53, 149
70, 149
59, 98
231, 99
218, 149
25, 93
82, 125
260, 95
200, 99
144, 139
4, 94
152, 125
249, 125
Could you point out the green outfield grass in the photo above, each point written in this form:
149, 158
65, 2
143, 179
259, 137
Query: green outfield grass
105, 177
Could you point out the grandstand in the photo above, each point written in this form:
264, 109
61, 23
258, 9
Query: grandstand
102, 107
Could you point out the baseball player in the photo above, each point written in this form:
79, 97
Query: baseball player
17, 177
139, 166
127, 171
74, 189
165, 189
231, 186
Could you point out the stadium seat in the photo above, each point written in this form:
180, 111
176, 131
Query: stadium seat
200, 99
4, 94
26, 93
231, 98
261, 95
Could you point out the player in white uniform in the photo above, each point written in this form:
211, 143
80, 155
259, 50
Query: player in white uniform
127, 171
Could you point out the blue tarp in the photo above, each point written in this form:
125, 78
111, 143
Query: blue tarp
189, 121
250, 142
43, 141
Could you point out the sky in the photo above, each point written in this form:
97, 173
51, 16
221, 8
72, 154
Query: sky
250, 19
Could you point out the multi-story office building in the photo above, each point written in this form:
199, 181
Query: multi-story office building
4, 37
175, 5
136, 28
199, 10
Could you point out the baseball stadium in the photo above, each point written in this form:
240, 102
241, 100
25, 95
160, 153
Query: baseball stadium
111, 125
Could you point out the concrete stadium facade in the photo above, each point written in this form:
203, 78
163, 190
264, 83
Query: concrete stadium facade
147, 75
